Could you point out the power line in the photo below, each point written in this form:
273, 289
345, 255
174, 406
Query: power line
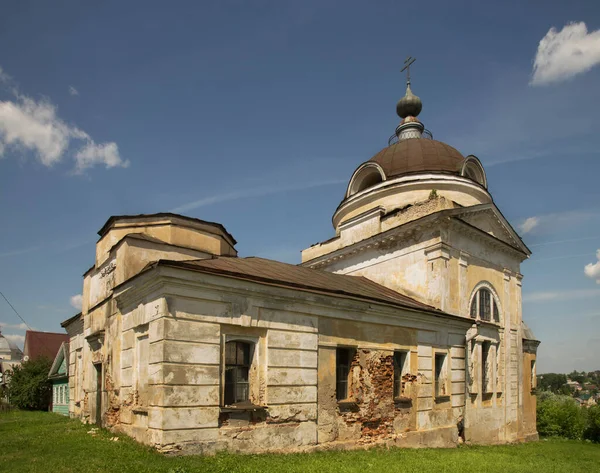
15, 310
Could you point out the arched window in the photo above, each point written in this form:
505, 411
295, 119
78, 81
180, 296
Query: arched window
473, 169
367, 175
237, 372
484, 305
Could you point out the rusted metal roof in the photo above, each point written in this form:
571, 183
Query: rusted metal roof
418, 155
40, 344
114, 218
275, 272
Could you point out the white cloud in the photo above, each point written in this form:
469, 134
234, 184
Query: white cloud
33, 125
529, 224
566, 53
76, 301
560, 295
570, 240
14, 338
20, 326
92, 154
73, 91
592, 270
253, 192
551, 223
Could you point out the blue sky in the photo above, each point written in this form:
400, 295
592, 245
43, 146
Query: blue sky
255, 114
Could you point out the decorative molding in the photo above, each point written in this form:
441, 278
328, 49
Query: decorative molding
109, 268
437, 251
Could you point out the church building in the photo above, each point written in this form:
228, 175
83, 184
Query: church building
403, 329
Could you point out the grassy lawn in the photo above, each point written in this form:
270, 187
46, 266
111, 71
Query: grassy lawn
39, 441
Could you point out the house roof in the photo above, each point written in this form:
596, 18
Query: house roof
39, 344
70, 320
109, 223
62, 354
274, 272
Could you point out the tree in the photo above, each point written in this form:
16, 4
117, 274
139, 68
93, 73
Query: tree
592, 432
560, 416
579, 377
29, 386
552, 382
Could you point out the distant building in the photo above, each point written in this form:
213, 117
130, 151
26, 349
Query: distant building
59, 376
10, 355
42, 344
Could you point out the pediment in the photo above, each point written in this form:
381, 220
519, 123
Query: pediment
60, 364
489, 219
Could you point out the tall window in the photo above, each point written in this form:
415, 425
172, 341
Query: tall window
485, 368
440, 375
484, 306
342, 372
400, 358
237, 372
533, 375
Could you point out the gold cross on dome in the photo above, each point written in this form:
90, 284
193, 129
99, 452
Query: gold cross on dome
407, 64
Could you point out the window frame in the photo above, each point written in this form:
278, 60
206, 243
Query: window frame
495, 315
441, 377
487, 373
240, 369
343, 377
254, 398
400, 369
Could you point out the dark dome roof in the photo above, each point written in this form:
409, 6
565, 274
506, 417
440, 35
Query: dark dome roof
418, 155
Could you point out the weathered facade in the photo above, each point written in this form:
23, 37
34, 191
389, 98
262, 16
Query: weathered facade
405, 328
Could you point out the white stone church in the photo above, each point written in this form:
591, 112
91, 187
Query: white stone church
403, 329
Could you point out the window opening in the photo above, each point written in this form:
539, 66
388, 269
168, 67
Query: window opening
343, 360
440, 382
237, 371
485, 369
485, 308
399, 369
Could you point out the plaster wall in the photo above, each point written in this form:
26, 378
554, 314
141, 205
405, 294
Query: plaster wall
195, 236
398, 193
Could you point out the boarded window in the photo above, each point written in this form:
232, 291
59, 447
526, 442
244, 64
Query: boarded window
485, 367
440, 375
237, 372
342, 372
400, 359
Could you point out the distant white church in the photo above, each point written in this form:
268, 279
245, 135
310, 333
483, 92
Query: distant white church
404, 329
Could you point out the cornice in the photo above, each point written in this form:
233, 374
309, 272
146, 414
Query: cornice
402, 232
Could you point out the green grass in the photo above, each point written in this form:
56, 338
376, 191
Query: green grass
39, 441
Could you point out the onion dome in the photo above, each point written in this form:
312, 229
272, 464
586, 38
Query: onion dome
410, 105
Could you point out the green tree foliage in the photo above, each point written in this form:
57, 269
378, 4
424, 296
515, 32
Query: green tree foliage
552, 382
28, 385
560, 416
579, 377
592, 432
